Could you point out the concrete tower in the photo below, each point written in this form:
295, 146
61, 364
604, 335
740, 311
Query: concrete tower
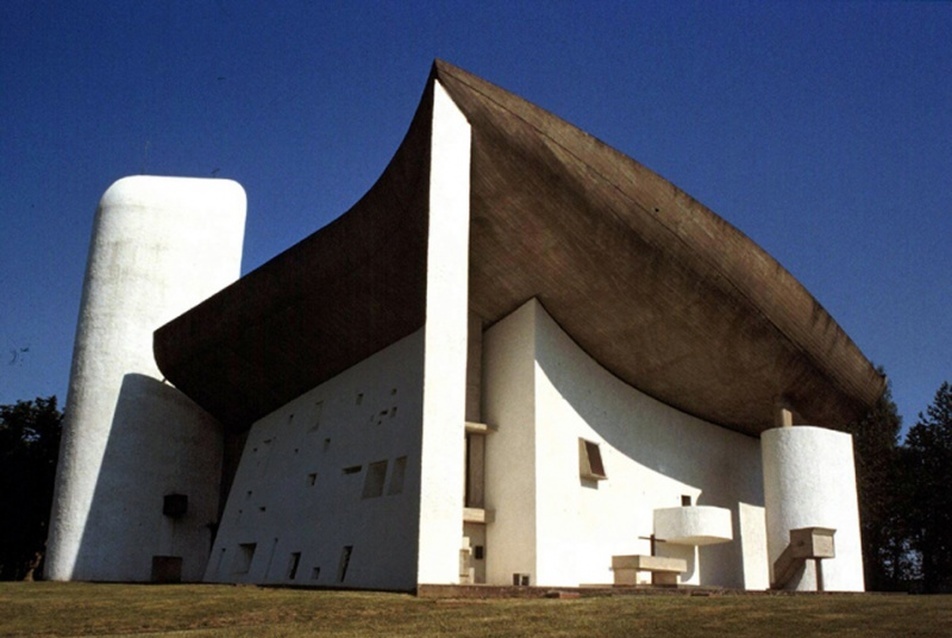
810, 482
138, 477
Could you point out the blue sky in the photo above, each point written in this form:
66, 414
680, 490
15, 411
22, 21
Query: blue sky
821, 130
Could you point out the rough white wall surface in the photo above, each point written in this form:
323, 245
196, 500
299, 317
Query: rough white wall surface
810, 481
544, 394
159, 246
324, 473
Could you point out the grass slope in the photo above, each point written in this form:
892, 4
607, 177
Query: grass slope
82, 609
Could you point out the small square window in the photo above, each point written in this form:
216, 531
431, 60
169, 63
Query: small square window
685, 500
590, 464
175, 505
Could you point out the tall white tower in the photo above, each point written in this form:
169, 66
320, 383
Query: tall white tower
137, 484
810, 482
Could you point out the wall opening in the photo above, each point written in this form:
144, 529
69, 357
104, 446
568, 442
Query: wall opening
246, 554
175, 505
344, 562
397, 475
474, 495
166, 569
375, 478
590, 464
293, 563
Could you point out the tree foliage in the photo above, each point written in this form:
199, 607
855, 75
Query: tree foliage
878, 481
29, 446
927, 466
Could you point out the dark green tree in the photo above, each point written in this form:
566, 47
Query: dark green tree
876, 448
927, 465
29, 446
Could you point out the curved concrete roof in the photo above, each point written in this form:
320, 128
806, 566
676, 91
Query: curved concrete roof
660, 290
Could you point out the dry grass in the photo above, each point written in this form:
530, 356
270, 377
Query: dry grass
80, 609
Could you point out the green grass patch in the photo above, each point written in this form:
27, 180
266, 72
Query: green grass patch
83, 609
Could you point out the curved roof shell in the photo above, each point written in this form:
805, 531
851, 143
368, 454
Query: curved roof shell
660, 290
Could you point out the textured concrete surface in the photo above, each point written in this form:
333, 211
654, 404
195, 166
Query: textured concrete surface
809, 481
661, 291
159, 246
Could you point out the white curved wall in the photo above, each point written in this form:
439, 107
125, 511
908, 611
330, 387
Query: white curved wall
543, 393
809, 481
160, 245
695, 525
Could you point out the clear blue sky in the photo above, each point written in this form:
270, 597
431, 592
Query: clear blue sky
822, 130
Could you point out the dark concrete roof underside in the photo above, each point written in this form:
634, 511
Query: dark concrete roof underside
661, 291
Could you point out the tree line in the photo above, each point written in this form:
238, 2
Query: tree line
905, 496
905, 491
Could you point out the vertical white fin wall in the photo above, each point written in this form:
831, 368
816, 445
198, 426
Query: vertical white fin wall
445, 344
810, 481
509, 406
160, 245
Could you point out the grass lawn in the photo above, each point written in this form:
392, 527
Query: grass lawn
81, 609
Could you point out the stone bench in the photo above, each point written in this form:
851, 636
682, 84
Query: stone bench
664, 570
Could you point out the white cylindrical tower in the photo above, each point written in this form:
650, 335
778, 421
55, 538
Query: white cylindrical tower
160, 245
810, 481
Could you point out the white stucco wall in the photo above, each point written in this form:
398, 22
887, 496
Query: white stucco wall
300, 484
446, 345
510, 477
810, 481
544, 393
159, 246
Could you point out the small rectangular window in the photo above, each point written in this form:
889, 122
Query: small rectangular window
353, 469
293, 565
685, 500
344, 562
166, 569
312, 479
397, 475
315, 573
590, 461
374, 480
246, 553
